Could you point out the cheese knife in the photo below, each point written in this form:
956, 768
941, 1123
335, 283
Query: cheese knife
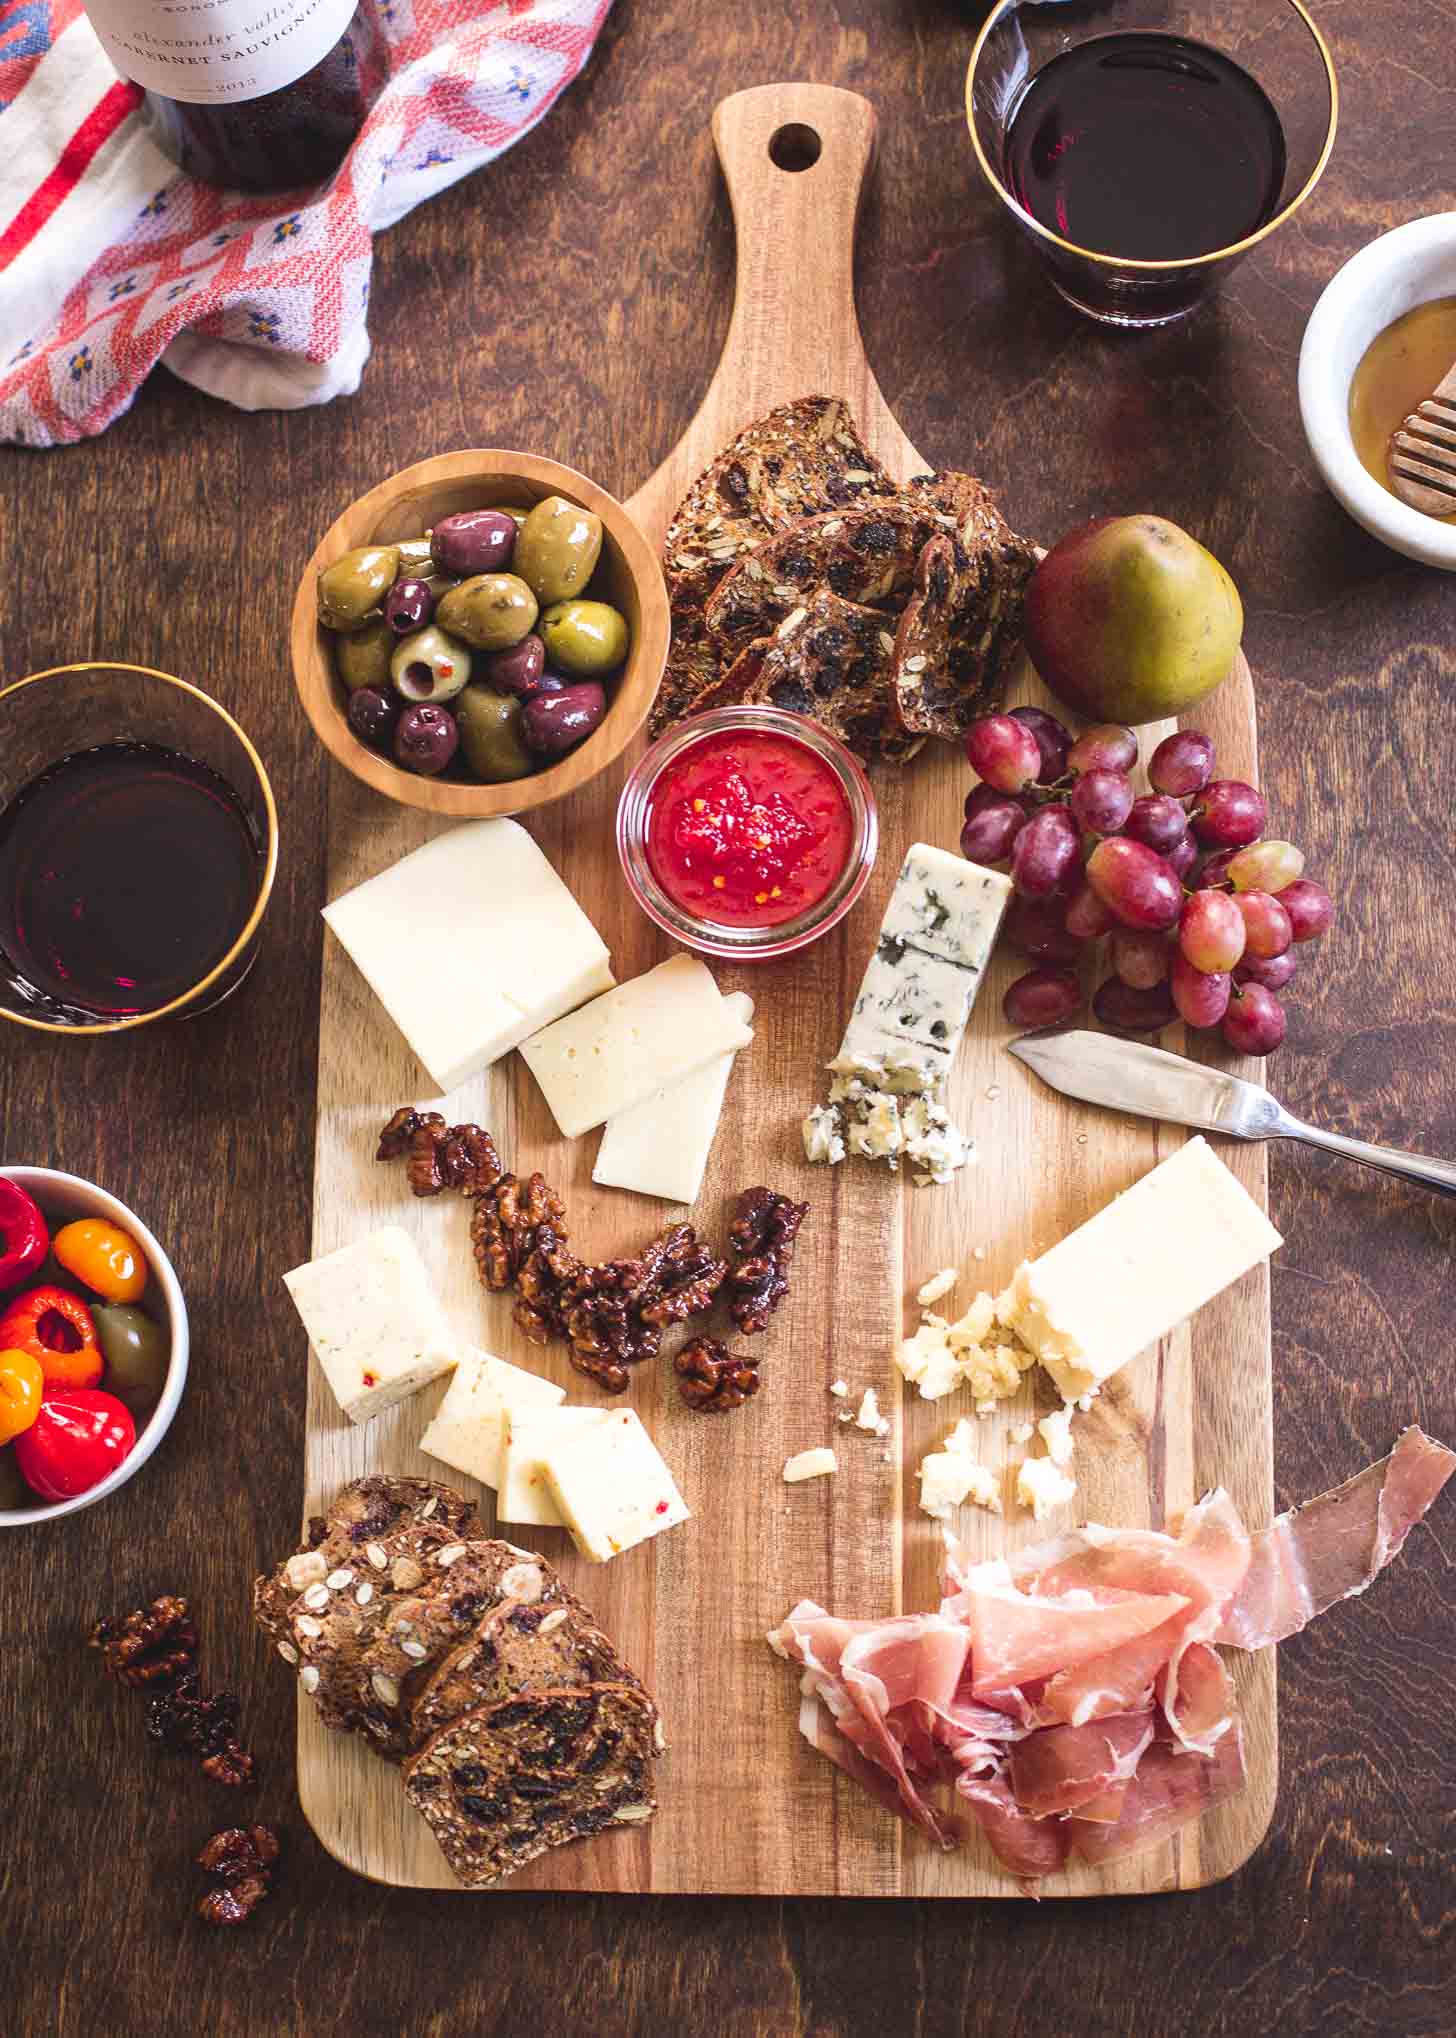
1127, 1075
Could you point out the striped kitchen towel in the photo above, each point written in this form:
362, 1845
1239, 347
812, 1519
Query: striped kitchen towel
111, 260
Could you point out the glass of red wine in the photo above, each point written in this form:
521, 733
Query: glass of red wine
1144, 146
138, 847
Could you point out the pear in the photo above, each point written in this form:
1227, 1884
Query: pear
1128, 619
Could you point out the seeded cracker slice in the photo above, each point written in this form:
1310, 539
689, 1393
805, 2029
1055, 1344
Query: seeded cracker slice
863, 555
506, 1782
516, 1649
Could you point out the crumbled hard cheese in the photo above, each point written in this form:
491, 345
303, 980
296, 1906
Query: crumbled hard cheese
927, 1361
869, 1411
839, 1389
1041, 1486
815, 1464
950, 1476
1056, 1434
939, 1284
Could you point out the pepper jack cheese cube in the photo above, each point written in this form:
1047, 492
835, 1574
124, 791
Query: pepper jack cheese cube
611, 1486
660, 1147
523, 1493
616, 1051
373, 1321
471, 943
466, 1430
1133, 1272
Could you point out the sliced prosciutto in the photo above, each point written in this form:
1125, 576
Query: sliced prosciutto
1066, 1767
1170, 1789
1017, 1636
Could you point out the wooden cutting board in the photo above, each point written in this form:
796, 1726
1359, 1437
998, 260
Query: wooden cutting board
746, 1805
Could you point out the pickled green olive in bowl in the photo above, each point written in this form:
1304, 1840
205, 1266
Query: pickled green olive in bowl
136, 1351
482, 648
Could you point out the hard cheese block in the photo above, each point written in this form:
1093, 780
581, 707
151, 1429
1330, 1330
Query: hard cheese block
523, 1494
471, 943
615, 1052
374, 1322
660, 1147
466, 1430
611, 1485
1133, 1272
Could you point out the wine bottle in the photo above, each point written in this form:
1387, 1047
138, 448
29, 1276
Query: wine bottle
259, 95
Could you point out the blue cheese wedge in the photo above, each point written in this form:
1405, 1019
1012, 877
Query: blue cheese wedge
508, 947
375, 1324
524, 1493
660, 1147
466, 1430
611, 1486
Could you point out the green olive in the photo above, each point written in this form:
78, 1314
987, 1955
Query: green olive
585, 637
135, 1348
350, 591
557, 549
415, 557
362, 657
508, 509
492, 611
490, 734
428, 665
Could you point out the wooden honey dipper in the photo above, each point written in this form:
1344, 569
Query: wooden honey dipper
1423, 452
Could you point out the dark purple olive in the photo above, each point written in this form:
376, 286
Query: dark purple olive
409, 605
372, 716
518, 670
553, 723
426, 739
476, 541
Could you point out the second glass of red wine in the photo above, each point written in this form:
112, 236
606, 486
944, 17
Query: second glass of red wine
1144, 146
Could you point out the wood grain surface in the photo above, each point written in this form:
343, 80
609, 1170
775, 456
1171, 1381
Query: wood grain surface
575, 297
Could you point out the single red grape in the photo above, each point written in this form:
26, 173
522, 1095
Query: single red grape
1118, 1005
1211, 932
1044, 851
1102, 800
1184, 853
1139, 887
1158, 821
993, 822
1227, 814
1267, 927
1181, 764
1036, 927
1201, 996
1139, 958
1309, 906
1272, 971
1043, 997
1254, 1022
1214, 869
1086, 916
1002, 752
1106, 746
1266, 866
1053, 740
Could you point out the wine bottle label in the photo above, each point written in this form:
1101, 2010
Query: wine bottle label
217, 52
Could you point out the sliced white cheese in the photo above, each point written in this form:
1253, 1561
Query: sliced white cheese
616, 1051
660, 1147
611, 1486
374, 1322
815, 1464
1133, 1272
523, 1493
466, 1429
471, 943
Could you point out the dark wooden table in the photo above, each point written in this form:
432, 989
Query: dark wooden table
572, 299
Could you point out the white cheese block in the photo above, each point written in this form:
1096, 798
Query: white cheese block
616, 1051
660, 1147
374, 1322
466, 1430
1133, 1272
471, 943
945, 905
815, 1464
523, 1493
611, 1486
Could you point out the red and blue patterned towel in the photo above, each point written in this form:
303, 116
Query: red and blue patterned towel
110, 260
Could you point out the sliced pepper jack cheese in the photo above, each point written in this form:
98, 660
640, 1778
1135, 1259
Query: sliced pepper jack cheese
611, 1485
660, 1147
471, 943
374, 1322
466, 1429
523, 1493
614, 1052
1133, 1272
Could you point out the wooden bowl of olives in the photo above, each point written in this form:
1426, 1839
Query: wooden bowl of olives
480, 634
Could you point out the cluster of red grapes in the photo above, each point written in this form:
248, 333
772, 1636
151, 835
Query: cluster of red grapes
1201, 914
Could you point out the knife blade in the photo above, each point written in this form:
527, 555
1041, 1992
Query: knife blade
1128, 1075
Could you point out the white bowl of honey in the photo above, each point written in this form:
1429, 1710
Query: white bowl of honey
1379, 340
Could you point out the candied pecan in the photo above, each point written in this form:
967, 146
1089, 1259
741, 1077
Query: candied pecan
232, 1902
607, 1333
462, 1157
712, 1378
230, 1764
239, 1850
542, 1282
504, 1225
761, 1238
154, 1645
683, 1277
189, 1722
394, 1141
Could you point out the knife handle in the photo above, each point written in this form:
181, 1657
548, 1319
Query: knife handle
1407, 1167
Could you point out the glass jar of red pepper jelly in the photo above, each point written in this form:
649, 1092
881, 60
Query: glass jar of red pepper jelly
747, 832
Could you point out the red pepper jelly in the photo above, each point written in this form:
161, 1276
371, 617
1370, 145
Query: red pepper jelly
749, 828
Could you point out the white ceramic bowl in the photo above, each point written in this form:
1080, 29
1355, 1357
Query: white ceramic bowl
63, 1198
1402, 269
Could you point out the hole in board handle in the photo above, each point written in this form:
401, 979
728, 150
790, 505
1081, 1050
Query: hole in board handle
794, 146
